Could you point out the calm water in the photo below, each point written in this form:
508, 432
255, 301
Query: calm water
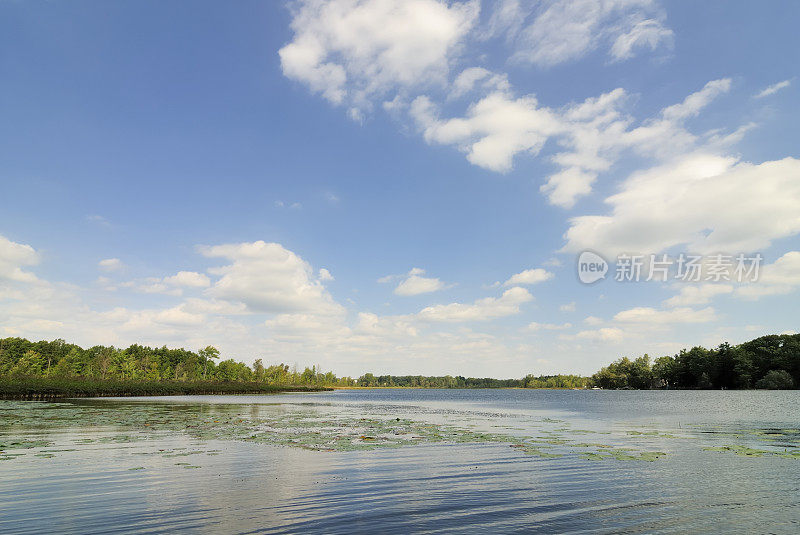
401, 461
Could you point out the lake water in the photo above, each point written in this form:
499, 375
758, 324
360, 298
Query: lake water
405, 461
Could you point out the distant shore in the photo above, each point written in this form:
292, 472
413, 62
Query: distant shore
55, 388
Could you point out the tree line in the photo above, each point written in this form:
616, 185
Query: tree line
58, 359
771, 362
21, 358
448, 381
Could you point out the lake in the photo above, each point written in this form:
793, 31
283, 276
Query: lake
405, 461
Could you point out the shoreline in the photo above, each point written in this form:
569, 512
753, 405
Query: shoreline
48, 389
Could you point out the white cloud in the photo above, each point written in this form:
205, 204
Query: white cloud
593, 320
356, 52
529, 276
780, 277
267, 278
189, 279
494, 130
474, 77
325, 275
605, 334
534, 326
351, 51
301, 324
694, 103
290, 206
172, 285
597, 132
774, 88
152, 285
700, 294
483, 309
703, 202
567, 30
170, 317
556, 31
569, 307
646, 33
110, 264
415, 284
198, 305
593, 133
565, 186
653, 316
13, 258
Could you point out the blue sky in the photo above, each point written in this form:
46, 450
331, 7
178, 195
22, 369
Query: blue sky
179, 173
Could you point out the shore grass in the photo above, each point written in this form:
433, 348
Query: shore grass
36, 388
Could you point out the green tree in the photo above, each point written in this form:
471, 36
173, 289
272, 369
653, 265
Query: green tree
776, 380
31, 364
209, 353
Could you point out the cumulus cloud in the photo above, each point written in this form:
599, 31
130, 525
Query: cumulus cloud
152, 285
569, 307
325, 275
703, 202
172, 285
357, 52
478, 77
171, 317
354, 51
270, 306
350, 51
488, 308
267, 278
14, 257
593, 134
780, 277
494, 130
529, 276
110, 264
189, 279
415, 284
605, 334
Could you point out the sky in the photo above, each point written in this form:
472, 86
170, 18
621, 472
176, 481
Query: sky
399, 187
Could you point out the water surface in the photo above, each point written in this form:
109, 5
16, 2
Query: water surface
400, 461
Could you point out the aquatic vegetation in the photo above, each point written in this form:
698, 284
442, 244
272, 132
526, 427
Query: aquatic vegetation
37, 429
539, 453
740, 450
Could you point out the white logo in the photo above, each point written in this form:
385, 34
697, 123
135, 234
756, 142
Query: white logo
591, 267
